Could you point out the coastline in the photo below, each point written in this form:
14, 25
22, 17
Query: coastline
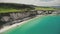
17, 24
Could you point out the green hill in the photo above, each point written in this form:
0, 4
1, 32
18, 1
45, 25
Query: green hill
12, 7
45, 8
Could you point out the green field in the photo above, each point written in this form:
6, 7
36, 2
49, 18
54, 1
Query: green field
45, 8
2, 10
11, 7
6, 8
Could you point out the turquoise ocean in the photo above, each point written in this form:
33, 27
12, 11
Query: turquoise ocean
41, 25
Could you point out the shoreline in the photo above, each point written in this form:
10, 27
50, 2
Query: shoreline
17, 24
5, 28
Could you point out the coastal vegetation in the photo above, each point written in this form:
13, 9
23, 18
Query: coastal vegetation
12, 7
45, 8
11, 13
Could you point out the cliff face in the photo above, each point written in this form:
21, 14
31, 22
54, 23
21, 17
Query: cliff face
14, 16
6, 18
9, 17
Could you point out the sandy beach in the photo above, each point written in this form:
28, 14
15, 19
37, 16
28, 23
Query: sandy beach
17, 24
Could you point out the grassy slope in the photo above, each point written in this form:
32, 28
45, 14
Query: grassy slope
45, 8
6, 9
10, 7
2, 10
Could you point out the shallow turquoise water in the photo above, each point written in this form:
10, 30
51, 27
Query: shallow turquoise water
41, 25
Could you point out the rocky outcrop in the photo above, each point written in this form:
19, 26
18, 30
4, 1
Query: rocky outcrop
39, 12
5, 18
44, 12
15, 17
20, 15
